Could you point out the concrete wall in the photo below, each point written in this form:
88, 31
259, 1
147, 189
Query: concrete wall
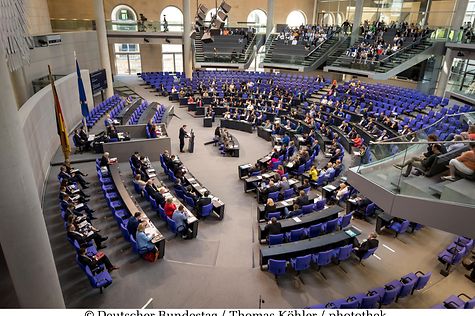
151, 56
38, 121
38, 17
61, 57
80, 9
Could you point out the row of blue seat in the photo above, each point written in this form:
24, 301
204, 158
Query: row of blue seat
99, 110
386, 295
98, 280
455, 252
312, 231
457, 302
137, 113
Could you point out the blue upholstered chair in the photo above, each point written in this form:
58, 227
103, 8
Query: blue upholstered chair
399, 228
276, 239
277, 267
331, 226
314, 230
206, 210
345, 220
295, 235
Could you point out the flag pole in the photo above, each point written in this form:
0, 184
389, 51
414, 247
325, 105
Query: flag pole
60, 124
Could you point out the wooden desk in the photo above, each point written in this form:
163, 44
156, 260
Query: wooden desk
306, 220
132, 207
307, 246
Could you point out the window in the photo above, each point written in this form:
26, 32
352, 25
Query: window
124, 18
172, 58
296, 18
127, 58
174, 19
258, 20
212, 13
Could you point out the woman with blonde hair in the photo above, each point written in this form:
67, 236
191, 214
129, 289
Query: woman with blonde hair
144, 243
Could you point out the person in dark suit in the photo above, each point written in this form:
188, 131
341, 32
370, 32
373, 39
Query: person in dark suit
94, 261
133, 223
135, 159
370, 243
72, 177
155, 193
82, 239
105, 162
78, 141
273, 227
203, 201
302, 199
183, 134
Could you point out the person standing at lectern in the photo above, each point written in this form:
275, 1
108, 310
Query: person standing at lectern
182, 136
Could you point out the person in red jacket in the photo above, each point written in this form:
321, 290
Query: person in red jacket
169, 207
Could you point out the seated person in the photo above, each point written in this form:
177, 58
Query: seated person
203, 201
286, 139
329, 169
302, 199
72, 177
169, 207
189, 193
305, 185
280, 170
361, 249
155, 193
144, 242
85, 235
78, 141
105, 160
341, 191
313, 173
465, 164
284, 185
94, 261
338, 165
426, 160
296, 211
273, 227
138, 180
180, 218
456, 146
133, 223
77, 197
357, 141
136, 160
270, 207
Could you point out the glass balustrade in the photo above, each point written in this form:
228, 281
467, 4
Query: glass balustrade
386, 163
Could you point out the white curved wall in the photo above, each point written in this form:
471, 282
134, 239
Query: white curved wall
38, 121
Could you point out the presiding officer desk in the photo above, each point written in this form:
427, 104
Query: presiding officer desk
199, 189
132, 207
281, 205
306, 220
307, 246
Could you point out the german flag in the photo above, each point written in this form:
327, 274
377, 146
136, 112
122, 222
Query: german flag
60, 124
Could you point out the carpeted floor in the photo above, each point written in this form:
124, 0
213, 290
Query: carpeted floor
220, 267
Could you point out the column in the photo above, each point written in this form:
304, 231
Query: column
103, 46
457, 19
23, 234
187, 54
314, 16
270, 17
357, 21
445, 71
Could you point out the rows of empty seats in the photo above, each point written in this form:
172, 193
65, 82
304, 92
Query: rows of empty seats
455, 252
138, 112
311, 231
386, 295
461, 301
102, 108
166, 79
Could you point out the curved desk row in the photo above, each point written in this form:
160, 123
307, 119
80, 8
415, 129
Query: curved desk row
241, 125
307, 246
132, 207
306, 220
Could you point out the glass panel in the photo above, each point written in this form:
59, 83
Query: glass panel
121, 64
395, 163
135, 63
171, 19
126, 48
178, 62
167, 63
172, 48
296, 18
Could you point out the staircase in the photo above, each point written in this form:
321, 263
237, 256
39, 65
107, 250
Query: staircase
340, 49
314, 59
199, 52
389, 66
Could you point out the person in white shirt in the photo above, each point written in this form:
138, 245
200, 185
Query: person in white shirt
456, 146
341, 191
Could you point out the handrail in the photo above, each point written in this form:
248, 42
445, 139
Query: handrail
423, 142
316, 48
407, 47
427, 127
